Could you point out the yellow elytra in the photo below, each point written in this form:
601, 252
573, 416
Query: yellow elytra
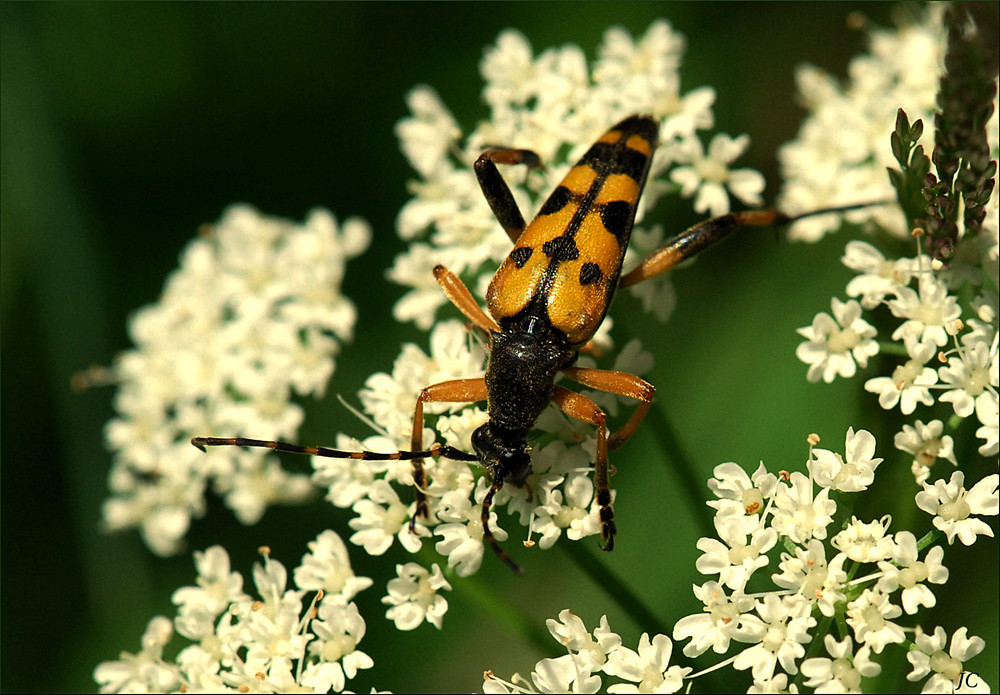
566, 264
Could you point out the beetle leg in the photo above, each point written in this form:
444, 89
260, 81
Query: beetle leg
455, 391
460, 296
620, 384
697, 238
579, 407
495, 189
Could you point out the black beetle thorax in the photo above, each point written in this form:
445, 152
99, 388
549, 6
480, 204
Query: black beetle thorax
520, 378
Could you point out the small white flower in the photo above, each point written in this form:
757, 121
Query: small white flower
856, 473
709, 176
947, 666
878, 276
414, 596
571, 633
565, 508
730, 483
724, 618
461, 530
953, 506
927, 445
735, 558
799, 515
927, 312
865, 542
383, 517
576, 671
837, 345
566, 674
910, 382
988, 412
327, 567
842, 673
786, 628
967, 378
199, 606
426, 135
271, 625
338, 629
777, 684
145, 671
908, 573
870, 615
809, 574
648, 667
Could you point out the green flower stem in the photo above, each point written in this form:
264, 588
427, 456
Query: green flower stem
928, 539
822, 629
504, 611
584, 558
892, 348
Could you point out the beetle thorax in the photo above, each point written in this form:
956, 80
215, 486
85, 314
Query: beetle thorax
520, 378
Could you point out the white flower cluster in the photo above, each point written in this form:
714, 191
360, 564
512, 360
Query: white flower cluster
253, 313
944, 325
842, 150
863, 577
646, 669
279, 642
554, 105
945, 335
235, 643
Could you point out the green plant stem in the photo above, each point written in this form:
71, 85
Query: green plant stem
692, 480
585, 559
822, 629
504, 611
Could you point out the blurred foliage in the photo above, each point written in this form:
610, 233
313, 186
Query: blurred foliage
126, 126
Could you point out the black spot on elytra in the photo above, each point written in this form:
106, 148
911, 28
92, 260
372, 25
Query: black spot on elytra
633, 163
590, 274
600, 153
562, 248
617, 217
557, 201
520, 255
616, 159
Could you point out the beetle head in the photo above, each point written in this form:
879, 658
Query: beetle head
505, 457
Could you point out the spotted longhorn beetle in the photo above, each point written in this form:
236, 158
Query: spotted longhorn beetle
545, 303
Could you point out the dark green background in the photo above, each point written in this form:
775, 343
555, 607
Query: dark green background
126, 126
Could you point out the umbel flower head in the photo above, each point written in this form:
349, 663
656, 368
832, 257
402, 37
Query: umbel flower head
286, 638
252, 316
